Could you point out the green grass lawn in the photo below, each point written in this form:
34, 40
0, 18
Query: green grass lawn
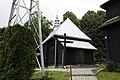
108, 76
54, 75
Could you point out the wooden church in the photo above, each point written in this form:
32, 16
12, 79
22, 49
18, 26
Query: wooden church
78, 49
112, 29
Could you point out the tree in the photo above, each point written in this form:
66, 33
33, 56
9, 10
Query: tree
46, 27
89, 24
72, 17
18, 55
45, 24
2, 30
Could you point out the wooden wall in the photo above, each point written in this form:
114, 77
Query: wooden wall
73, 56
113, 42
89, 57
59, 53
113, 9
79, 56
49, 52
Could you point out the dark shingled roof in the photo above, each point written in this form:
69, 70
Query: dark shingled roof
108, 3
110, 21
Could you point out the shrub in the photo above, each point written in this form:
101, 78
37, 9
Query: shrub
18, 56
113, 67
118, 67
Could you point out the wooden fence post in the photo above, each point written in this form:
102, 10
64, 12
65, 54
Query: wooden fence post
70, 71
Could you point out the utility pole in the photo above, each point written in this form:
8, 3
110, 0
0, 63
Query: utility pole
21, 13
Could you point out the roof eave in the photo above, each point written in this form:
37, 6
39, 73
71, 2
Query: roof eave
103, 6
71, 37
110, 21
82, 48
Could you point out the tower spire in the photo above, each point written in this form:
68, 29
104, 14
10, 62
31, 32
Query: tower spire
56, 23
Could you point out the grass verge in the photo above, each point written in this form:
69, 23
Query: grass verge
54, 75
108, 76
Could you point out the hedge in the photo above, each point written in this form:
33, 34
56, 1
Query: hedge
18, 55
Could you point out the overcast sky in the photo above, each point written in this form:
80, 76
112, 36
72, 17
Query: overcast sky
51, 8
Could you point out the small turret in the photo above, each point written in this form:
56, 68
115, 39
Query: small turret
56, 23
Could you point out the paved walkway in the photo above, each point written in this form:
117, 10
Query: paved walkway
79, 73
84, 78
82, 71
83, 74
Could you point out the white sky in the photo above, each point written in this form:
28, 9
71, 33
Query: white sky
51, 8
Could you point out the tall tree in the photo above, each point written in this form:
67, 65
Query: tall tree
72, 17
45, 24
18, 54
2, 30
89, 24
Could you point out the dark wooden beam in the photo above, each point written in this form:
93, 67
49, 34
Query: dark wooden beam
64, 49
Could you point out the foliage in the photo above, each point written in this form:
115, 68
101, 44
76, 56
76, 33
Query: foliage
38, 75
46, 27
112, 66
45, 24
46, 77
18, 55
89, 24
108, 76
54, 75
72, 17
1, 43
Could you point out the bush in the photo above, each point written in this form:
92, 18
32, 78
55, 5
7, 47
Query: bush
18, 56
113, 67
118, 67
